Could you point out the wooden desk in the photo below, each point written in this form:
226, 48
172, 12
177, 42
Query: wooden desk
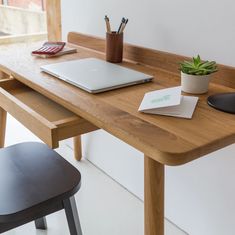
163, 140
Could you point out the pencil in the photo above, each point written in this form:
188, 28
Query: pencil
107, 24
123, 26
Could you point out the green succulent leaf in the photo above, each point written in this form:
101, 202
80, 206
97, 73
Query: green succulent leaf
198, 67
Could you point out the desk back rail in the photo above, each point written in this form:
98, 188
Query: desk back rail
150, 57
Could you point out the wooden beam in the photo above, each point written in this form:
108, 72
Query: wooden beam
53, 9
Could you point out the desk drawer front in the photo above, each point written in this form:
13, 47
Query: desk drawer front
45, 118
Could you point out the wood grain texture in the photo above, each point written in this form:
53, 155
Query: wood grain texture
153, 197
3, 75
114, 47
33, 121
168, 140
146, 56
3, 119
77, 148
3, 114
53, 9
48, 120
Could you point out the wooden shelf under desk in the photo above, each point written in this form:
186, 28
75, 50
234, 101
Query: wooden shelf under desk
48, 120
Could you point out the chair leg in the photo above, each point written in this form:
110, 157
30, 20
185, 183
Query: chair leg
41, 223
72, 216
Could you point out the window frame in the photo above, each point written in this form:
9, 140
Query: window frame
53, 12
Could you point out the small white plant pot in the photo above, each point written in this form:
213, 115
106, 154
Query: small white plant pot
195, 84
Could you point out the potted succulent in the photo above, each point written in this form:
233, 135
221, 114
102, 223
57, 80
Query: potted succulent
196, 74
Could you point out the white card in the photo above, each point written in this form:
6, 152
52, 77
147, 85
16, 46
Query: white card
169, 102
161, 98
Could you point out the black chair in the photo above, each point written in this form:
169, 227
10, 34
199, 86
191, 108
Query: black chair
35, 181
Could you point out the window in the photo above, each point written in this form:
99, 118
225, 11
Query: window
25, 20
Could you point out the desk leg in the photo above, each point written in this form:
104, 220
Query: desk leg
3, 119
153, 197
77, 145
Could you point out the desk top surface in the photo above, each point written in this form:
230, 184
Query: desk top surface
169, 140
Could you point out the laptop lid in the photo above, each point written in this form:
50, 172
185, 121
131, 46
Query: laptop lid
94, 75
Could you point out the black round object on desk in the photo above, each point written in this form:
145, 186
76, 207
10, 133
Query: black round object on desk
224, 102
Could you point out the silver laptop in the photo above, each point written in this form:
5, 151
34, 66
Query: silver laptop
94, 75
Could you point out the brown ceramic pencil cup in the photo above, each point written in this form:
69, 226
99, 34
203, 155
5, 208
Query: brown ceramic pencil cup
114, 47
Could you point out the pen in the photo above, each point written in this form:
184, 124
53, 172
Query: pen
107, 24
121, 24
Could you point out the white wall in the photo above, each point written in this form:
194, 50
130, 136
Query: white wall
199, 195
182, 26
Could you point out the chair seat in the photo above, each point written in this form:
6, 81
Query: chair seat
32, 176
